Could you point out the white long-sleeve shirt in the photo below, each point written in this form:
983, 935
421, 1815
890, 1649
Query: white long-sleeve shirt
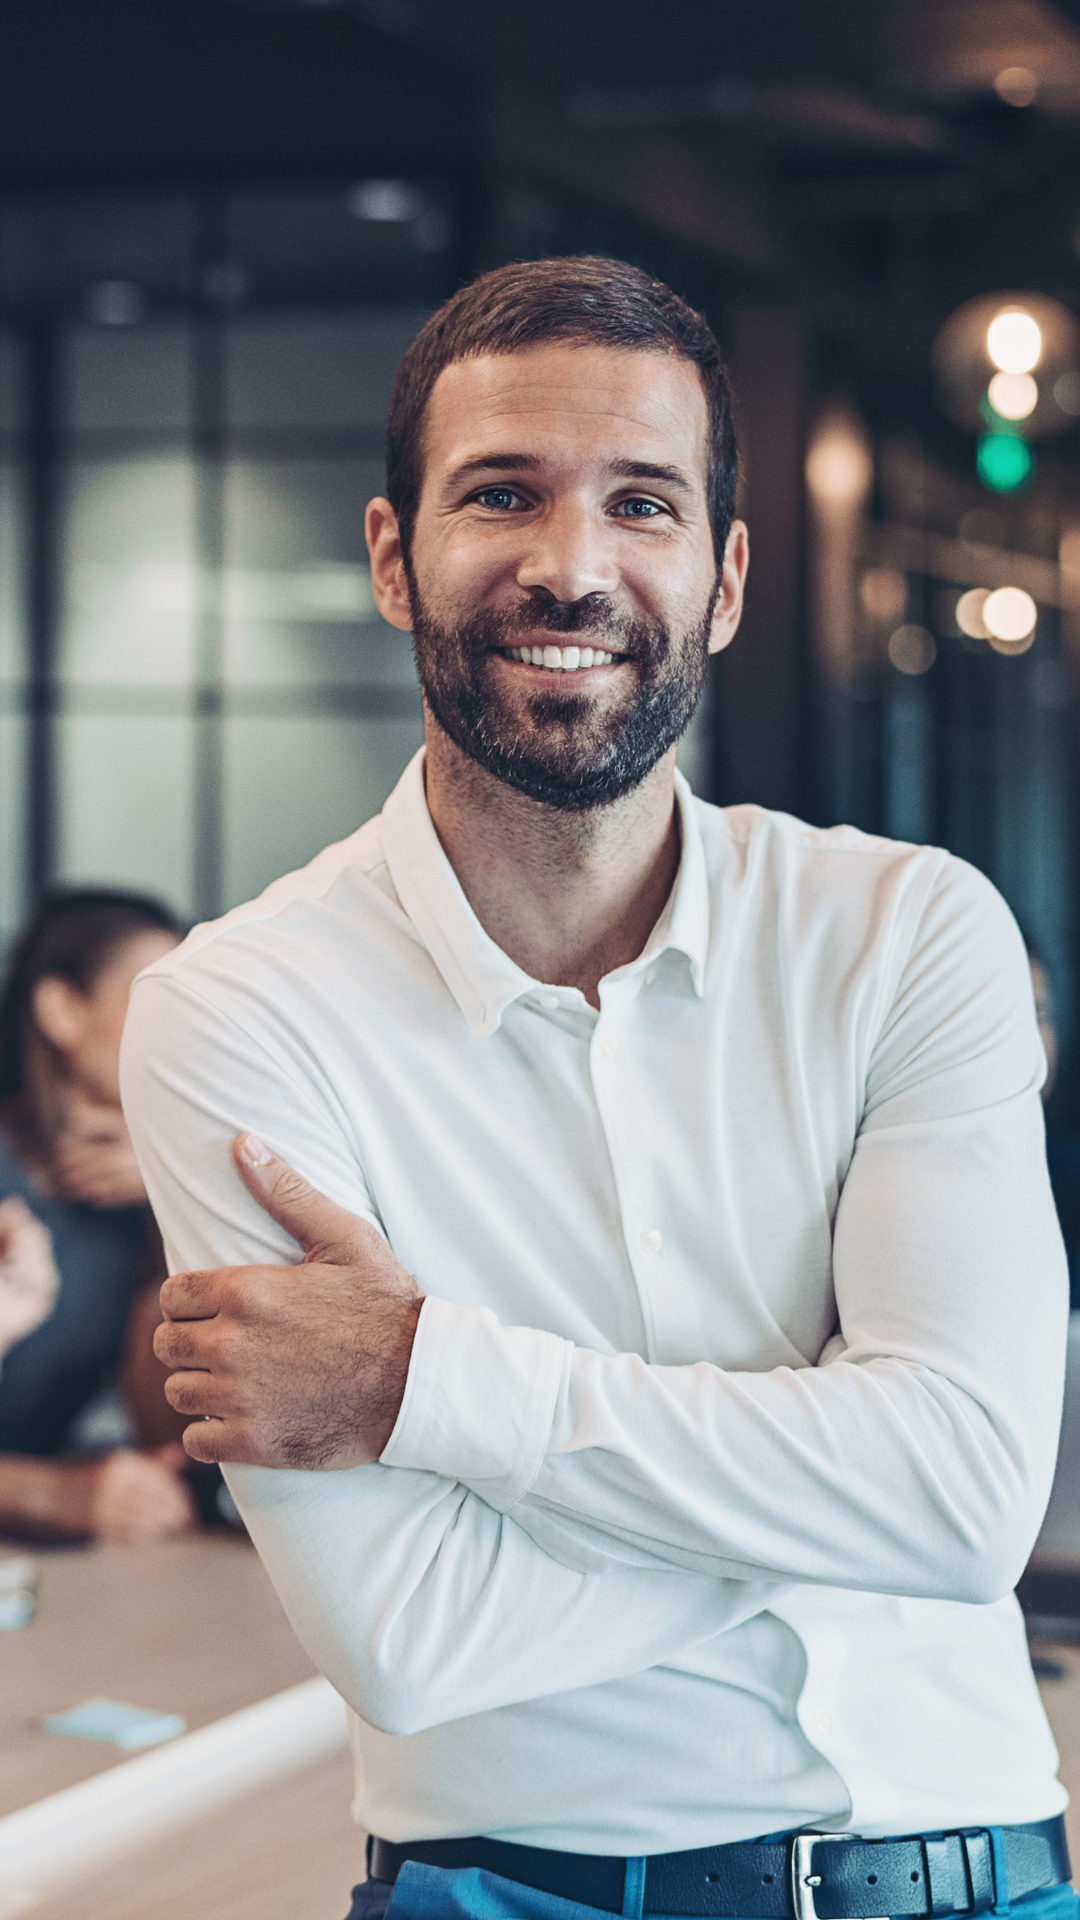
733, 1405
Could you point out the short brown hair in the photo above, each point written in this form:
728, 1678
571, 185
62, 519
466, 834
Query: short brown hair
585, 300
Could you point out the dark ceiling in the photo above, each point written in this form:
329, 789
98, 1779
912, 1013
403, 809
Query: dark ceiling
851, 157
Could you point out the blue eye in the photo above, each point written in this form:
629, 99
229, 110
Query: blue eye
499, 499
640, 509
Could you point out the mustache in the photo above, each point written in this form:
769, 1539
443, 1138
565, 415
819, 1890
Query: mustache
594, 614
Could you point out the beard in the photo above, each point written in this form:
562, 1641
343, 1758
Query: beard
565, 748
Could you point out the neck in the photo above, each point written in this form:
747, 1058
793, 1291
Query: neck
569, 896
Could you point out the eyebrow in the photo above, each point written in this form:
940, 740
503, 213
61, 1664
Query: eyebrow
531, 463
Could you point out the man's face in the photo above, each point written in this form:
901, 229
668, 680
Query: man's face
563, 589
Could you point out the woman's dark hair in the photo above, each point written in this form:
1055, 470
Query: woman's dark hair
74, 932
586, 301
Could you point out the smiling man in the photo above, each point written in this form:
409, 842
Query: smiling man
667, 1401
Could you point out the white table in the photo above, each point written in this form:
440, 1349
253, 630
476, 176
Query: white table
190, 1627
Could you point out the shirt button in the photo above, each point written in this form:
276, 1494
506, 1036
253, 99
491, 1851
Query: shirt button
650, 976
609, 1046
821, 1723
650, 1240
549, 1001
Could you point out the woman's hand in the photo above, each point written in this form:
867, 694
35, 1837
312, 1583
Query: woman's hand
140, 1496
124, 1496
28, 1276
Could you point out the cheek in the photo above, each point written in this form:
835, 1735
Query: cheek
672, 580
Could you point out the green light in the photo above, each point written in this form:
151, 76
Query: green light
1003, 462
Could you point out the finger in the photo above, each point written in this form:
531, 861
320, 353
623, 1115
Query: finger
191, 1296
196, 1394
183, 1343
323, 1229
208, 1441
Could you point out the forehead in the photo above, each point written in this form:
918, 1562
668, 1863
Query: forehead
563, 401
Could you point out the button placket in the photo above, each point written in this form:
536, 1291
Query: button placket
614, 1080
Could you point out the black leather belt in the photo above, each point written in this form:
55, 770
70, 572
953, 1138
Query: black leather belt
805, 1876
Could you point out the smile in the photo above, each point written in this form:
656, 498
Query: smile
560, 659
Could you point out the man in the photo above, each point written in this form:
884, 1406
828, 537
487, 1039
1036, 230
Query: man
680, 1333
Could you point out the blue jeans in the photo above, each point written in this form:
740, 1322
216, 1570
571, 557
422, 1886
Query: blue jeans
436, 1893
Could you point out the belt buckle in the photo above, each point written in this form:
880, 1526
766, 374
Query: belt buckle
803, 1878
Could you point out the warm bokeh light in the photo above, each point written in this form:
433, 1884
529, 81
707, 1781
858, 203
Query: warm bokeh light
839, 468
969, 611
1013, 395
1014, 341
883, 592
1009, 614
912, 650
1017, 86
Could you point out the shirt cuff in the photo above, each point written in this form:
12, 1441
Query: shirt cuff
479, 1401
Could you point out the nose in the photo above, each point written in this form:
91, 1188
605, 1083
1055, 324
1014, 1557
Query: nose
569, 554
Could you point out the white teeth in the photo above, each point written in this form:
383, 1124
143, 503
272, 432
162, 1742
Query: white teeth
561, 659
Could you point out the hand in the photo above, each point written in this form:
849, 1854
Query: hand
28, 1276
93, 1159
292, 1366
135, 1497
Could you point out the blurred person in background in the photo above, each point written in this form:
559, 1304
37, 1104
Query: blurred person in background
79, 1255
28, 1276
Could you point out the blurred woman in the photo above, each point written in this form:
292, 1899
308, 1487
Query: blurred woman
77, 1255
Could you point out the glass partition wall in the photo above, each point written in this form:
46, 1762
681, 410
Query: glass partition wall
196, 692
223, 698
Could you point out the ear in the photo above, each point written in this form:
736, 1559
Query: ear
58, 1011
729, 601
388, 580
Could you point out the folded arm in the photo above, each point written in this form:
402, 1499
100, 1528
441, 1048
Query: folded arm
915, 1457
420, 1601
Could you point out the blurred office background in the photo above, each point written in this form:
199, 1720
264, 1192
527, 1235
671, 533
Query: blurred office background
222, 220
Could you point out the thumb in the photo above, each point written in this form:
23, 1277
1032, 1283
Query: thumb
325, 1231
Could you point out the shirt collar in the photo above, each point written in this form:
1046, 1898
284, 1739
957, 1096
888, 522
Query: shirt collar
482, 978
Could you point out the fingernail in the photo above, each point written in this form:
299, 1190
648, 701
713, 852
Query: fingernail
257, 1151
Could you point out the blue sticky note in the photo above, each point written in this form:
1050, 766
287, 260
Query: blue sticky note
112, 1720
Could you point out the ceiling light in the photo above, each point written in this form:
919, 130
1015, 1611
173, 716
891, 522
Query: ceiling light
1009, 614
1017, 86
912, 650
969, 611
1003, 462
1014, 341
389, 202
1013, 395
1012, 332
